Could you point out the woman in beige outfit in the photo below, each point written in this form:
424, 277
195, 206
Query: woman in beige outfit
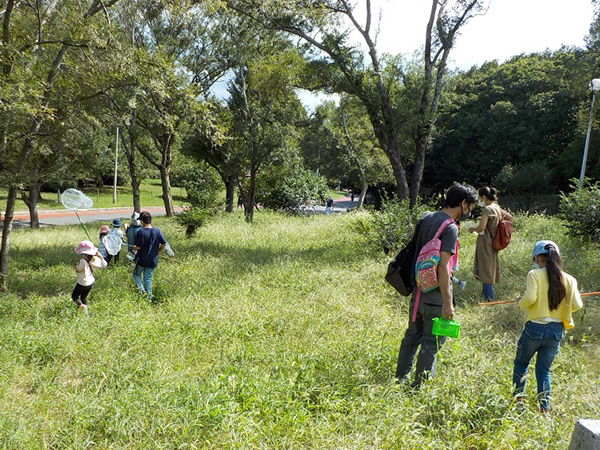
486, 268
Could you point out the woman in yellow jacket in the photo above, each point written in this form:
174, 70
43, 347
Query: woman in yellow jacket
550, 298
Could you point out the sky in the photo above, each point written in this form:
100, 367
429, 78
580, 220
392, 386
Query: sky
509, 28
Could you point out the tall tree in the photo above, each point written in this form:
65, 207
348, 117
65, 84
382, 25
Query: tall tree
343, 69
32, 61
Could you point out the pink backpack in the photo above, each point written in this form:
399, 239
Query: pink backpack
426, 266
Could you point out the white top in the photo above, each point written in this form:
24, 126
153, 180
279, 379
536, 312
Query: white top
85, 275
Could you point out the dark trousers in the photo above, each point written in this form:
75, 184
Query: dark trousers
109, 257
80, 294
419, 333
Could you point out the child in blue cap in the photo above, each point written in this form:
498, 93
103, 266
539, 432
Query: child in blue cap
115, 231
549, 299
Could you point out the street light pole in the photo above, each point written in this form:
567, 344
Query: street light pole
595, 87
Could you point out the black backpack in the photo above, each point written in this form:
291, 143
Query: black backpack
401, 269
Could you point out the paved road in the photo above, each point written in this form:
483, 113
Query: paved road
65, 217
106, 215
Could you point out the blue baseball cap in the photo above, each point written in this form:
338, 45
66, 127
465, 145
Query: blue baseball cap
540, 248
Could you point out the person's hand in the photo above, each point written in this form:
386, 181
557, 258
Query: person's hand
448, 311
472, 229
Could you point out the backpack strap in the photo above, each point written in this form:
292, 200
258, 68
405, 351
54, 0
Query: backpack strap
442, 227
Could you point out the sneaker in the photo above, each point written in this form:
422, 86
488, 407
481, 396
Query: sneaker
461, 286
85, 310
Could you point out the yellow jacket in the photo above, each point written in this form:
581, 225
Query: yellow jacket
535, 299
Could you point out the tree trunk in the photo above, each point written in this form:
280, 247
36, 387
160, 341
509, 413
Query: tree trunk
249, 208
165, 181
31, 201
417, 176
129, 148
7, 228
363, 189
135, 189
229, 194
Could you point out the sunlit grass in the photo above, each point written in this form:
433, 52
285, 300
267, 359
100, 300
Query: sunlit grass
150, 195
280, 334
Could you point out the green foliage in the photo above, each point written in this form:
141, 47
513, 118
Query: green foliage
530, 178
297, 349
526, 110
581, 210
295, 189
203, 187
393, 226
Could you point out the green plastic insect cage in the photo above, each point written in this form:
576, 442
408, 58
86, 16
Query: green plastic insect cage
448, 328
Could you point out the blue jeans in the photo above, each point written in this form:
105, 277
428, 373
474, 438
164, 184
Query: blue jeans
488, 292
147, 272
545, 341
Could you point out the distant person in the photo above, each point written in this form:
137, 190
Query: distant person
134, 227
91, 260
104, 229
486, 267
329, 206
149, 243
550, 297
115, 231
460, 201
352, 197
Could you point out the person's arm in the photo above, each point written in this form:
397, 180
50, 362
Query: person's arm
80, 267
100, 263
507, 216
444, 281
482, 224
161, 248
576, 303
530, 295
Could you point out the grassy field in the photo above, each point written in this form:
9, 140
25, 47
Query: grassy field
150, 195
276, 335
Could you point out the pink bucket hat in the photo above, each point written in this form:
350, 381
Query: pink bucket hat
104, 229
86, 248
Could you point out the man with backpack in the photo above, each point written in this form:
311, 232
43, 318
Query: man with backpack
432, 299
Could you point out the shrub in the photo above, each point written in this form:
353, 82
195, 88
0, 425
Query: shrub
393, 225
581, 210
294, 190
203, 187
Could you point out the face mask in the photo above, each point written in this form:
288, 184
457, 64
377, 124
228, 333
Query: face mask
535, 265
481, 203
464, 216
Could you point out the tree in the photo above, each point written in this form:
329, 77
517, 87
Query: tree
504, 117
340, 66
32, 61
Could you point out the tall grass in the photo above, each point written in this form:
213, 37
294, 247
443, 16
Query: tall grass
279, 334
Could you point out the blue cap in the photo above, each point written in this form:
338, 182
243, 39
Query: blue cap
117, 223
540, 249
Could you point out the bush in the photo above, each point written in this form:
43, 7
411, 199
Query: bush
294, 190
203, 187
581, 210
393, 225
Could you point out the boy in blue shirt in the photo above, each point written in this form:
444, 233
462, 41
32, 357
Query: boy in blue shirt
149, 243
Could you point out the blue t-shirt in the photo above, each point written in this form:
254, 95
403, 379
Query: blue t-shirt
149, 240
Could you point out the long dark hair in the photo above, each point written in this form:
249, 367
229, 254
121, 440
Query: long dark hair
557, 290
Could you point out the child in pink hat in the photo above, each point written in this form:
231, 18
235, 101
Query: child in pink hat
90, 261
